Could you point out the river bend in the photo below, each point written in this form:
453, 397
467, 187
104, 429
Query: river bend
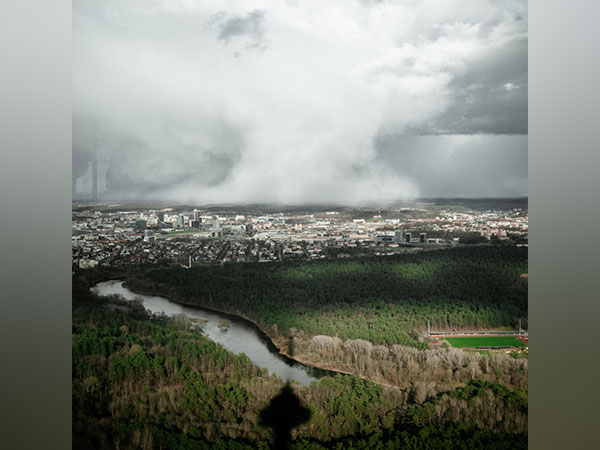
241, 335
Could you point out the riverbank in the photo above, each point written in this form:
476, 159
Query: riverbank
266, 340
396, 367
169, 397
279, 343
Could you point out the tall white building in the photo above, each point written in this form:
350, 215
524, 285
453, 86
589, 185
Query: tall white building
398, 236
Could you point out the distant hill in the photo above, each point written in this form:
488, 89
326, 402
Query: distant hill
477, 204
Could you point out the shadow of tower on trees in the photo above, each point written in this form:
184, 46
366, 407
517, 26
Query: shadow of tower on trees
283, 414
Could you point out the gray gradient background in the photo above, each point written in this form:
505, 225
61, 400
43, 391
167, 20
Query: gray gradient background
35, 188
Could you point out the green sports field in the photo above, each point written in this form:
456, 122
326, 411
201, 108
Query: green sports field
484, 341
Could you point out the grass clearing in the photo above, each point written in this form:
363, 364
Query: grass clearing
484, 341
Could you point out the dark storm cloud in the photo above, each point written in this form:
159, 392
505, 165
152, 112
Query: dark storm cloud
490, 97
249, 28
468, 166
133, 173
325, 114
136, 168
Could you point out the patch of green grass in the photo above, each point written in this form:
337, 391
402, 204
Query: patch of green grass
484, 341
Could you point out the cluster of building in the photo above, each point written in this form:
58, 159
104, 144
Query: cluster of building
401, 237
163, 236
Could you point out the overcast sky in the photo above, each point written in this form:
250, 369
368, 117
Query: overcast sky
347, 101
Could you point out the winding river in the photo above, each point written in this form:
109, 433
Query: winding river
241, 336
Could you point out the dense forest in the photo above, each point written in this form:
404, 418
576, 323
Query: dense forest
149, 382
384, 300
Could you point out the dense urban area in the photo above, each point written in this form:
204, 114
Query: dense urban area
416, 316
107, 235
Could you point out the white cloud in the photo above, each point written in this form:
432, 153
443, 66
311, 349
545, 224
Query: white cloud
215, 120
